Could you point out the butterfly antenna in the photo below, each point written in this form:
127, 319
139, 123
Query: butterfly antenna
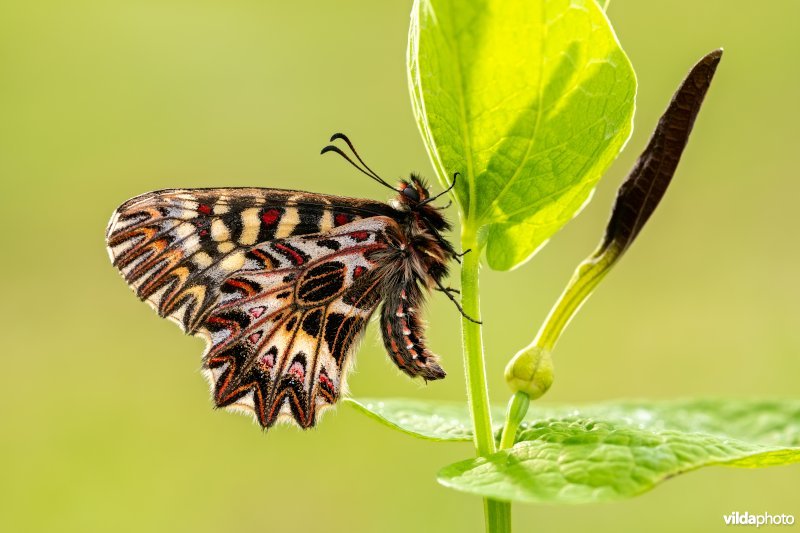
331, 148
447, 190
366, 170
344, 137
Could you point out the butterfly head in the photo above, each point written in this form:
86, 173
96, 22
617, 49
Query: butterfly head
412, 191
413, 196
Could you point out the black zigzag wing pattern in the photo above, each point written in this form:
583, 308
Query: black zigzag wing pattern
280, 338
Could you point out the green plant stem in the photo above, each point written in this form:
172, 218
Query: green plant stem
497, 513
517, 407
472, 339
586, 277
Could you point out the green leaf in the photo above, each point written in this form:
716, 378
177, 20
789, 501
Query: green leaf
443, 421
617, 451
529, 101
568, 454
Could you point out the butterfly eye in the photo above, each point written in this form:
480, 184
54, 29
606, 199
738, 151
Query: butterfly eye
411, 193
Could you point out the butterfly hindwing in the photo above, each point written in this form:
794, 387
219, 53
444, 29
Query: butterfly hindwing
282, 333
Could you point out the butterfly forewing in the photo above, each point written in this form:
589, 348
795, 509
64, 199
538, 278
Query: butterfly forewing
175, 247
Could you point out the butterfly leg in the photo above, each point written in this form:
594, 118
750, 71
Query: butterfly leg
403, 334
448, 291
458, 256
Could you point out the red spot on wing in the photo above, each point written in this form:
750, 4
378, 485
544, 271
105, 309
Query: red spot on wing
268, 360
254, 337
297, 259
297, 371
217, 321
203, 232
257, 311
326, 382
341, 219
360, 236
270, 217
204, 209
358, 271
241, 286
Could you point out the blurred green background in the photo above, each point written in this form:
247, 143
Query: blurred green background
106, 421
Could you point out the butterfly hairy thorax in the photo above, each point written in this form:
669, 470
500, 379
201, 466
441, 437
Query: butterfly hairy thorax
281, 283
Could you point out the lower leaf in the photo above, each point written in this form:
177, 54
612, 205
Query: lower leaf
610, 451
576, 459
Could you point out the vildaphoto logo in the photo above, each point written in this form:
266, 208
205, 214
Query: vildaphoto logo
764, 519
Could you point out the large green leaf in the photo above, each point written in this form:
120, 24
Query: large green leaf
567, 454
529, 101
434, 421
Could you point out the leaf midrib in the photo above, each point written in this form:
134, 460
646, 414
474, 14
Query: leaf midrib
512, 179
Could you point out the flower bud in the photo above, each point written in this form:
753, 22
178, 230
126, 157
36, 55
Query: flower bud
530, 371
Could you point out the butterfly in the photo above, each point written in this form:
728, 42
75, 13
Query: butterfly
281, 283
